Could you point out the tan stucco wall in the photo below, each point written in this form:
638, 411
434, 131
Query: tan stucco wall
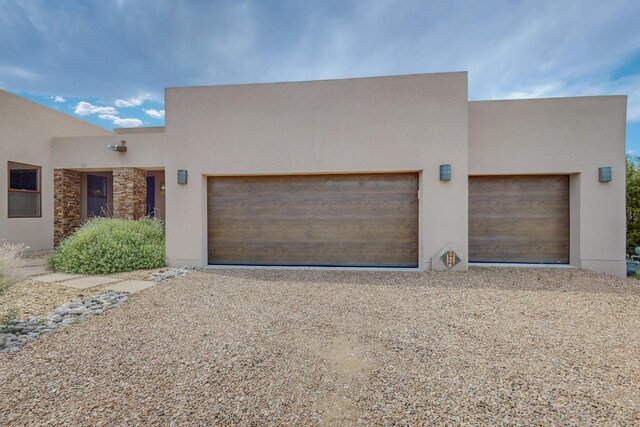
146, 151
26, 131
407, 123
384, 124
572, 136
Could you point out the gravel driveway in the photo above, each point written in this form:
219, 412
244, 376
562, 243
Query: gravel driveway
281, 347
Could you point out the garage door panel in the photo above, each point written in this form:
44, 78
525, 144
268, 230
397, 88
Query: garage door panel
325, 253
519, 219
361, 230
550, 205
520, 227
346, 207
363, 219
523, 252
311, 186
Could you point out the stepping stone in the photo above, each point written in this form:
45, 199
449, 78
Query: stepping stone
56, 277
131, 286
36, 270
33, 262
89, 282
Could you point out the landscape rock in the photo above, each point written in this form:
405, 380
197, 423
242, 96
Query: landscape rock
163, 275
22, 332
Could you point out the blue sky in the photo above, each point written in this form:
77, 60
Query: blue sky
109, 61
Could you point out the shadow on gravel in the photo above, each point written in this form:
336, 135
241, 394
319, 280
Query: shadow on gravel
501, 278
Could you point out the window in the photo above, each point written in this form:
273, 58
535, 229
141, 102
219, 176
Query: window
24, 191
96, 195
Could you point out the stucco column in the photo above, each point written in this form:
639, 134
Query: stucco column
66, 203
129, 193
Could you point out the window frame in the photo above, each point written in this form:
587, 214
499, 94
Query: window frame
38, 192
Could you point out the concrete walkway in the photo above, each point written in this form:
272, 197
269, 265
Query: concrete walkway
79, 281
36, 269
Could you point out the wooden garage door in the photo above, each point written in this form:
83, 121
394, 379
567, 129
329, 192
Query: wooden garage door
519, 219
341, 220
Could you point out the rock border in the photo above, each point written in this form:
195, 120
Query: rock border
161, 276
17, 333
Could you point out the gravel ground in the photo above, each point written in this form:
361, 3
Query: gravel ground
30, 297
279, 347
137, 274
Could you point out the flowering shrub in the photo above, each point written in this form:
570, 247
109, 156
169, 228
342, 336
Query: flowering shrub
109, 245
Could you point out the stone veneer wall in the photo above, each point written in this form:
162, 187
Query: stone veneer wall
129, 193
66, 203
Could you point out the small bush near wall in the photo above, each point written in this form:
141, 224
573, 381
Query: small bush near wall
633, 204
108, 245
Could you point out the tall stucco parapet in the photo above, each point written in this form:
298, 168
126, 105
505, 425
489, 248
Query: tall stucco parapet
66, 203
129, 193
410, 123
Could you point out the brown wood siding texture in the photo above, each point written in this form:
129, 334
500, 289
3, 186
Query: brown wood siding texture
342, 220
519, 219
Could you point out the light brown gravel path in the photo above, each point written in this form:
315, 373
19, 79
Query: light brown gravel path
257, 347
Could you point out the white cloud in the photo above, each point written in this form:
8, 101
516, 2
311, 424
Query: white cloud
84, 108
58, 98
539, 91
156, 114
132, 102
126, 122
108, 117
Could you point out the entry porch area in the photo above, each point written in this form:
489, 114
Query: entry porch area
126, 192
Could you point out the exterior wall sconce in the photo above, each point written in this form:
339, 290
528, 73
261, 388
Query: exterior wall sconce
163, 187
182, 176
122, 147
604, 174
445, 172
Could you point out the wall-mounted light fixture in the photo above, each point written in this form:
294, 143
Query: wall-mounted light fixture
163, 187
604, 174
182, 176
445, 172
122, 147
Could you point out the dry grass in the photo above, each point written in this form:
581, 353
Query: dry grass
29, 297
10, 262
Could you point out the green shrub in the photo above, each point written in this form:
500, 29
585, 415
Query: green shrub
108, 245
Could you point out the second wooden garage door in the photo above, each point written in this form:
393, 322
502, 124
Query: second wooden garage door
341, 220
519, 219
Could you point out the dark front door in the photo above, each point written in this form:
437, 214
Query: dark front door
151, 195
96, 196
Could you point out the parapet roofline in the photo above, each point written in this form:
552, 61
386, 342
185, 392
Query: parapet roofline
548, 98
140, 130
443, 73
